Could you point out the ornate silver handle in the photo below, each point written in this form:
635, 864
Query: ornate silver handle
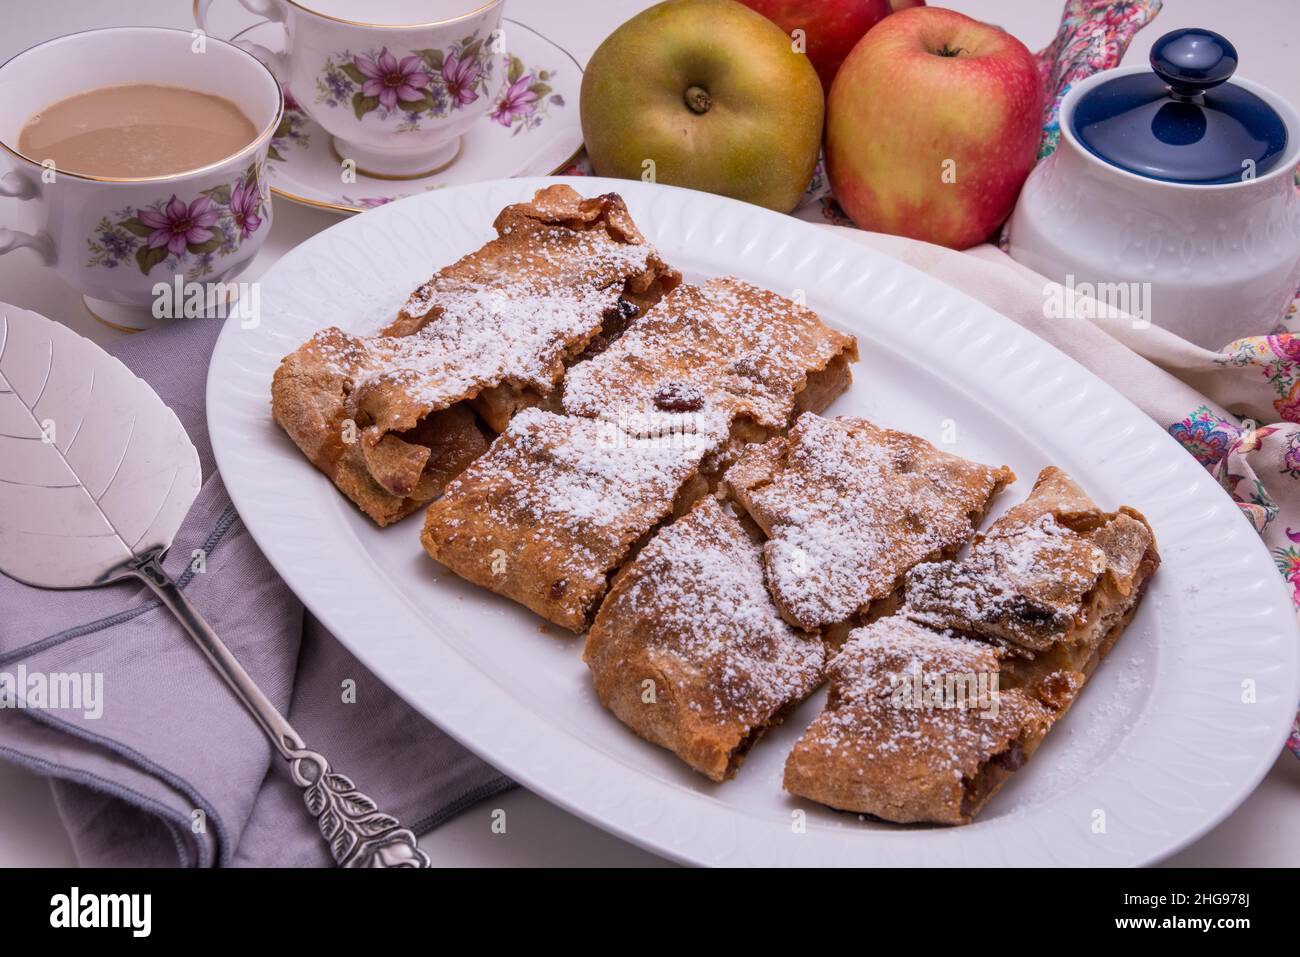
357, 832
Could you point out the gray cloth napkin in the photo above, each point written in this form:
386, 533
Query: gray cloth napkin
173, 771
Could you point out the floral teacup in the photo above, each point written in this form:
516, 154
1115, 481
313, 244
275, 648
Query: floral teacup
128, 243
394, 82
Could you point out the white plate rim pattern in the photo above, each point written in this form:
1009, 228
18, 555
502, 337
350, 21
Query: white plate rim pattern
1197, 752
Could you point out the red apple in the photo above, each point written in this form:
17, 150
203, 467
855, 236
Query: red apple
830, 27
932, 126
904, 4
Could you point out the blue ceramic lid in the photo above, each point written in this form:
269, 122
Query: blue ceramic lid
1183, 123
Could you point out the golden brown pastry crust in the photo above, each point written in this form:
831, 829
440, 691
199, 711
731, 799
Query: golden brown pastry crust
555, 246
558, 502
849, 507
882, 748
724, 345
390, 479
1042, 597
688, 650
496, 329
1056, 579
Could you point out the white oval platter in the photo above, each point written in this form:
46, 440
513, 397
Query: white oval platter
1160, 747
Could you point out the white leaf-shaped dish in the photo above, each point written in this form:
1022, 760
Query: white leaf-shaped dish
94, 469
96, 476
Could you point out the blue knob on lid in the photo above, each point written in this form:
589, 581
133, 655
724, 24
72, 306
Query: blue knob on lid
1184, 122
1192, 61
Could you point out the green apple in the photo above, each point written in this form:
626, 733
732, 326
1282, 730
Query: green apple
705, 94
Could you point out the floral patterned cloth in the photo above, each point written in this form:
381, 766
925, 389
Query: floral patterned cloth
1239, 414
1093, 36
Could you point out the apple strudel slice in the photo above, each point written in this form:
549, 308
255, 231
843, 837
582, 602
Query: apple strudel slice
688, 650
918, 727
849, 507
724, 345
1055, 580
388, 478
488, 335
572, 273
558, 503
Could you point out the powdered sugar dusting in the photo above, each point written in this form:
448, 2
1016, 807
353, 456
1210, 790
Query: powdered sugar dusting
724, 345
519, 328
864, 733
852, 507
581, 488
695, 595
1029, 577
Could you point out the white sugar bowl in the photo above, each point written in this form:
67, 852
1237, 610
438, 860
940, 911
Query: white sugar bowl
1172, 195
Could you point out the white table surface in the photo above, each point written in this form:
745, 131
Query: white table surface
1264, 831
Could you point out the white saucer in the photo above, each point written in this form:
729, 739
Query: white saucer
303, 167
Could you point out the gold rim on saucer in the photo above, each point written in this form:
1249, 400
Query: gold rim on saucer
98, 318
343, 208
460, 145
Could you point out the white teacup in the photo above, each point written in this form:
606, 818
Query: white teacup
394, 82
119, 239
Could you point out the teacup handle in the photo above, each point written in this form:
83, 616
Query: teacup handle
277, 63
17, 186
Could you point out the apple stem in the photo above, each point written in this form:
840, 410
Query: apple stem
946, 50
698, 99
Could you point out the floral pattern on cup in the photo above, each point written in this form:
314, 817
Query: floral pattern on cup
527, 98
186, 237
292, 130
524, 105
422, 84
